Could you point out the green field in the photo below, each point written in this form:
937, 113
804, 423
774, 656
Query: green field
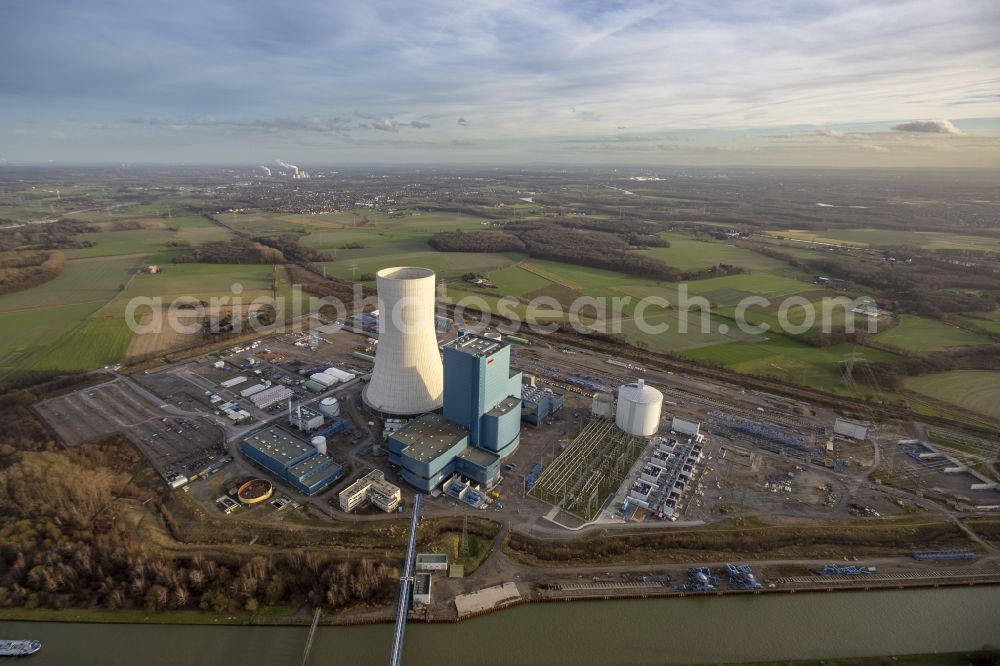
591, 281
915, 333
27, 333
928, 240
386, 240
725, 293
448, 265
988, 321
770, 354
199, 281
382, 233
673, 340
92, 344
791, 361
40, 319
516, 280
975, 390
686, 253
74, 322
81, 281
192, 229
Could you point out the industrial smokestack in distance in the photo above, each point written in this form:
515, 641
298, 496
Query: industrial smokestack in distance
408, 378
288, 166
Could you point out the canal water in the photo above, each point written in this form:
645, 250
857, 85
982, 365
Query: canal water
652, 631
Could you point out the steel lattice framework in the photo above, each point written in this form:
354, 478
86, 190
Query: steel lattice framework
591, 468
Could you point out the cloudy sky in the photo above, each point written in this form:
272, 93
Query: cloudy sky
327, 82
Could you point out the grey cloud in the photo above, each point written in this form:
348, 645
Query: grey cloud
183, 123
463, 122
311, 123
389, 125
928, 127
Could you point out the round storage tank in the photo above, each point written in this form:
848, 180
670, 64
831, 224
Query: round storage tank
639, 408
330, 406
603, 405
255, 491
319, 443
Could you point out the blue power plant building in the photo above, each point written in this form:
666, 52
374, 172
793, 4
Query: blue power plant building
480, 424
292, 459
481, 394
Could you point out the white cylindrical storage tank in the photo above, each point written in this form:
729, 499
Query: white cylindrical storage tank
602, 405
319, 443
408, 378
639, 408
330, 406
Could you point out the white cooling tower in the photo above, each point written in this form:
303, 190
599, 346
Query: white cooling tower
638, 410
319, 443
408, 378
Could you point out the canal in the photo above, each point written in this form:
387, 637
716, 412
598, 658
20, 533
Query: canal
653, 631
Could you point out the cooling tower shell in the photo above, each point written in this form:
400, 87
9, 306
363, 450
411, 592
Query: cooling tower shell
638, 411
408, 377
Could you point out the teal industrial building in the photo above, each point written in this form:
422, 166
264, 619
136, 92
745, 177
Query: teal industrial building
480, 423
539, 403
292, 459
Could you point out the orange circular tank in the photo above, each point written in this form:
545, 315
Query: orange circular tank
255, 491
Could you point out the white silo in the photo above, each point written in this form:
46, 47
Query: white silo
408, 378
319, 443
330, 406
602, 405
638, 410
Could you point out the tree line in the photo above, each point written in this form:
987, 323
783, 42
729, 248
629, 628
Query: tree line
234, 251
58, 235
562, 242
24, 270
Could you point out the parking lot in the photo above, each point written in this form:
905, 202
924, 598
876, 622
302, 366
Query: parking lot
176, 444
98, 411
172, 443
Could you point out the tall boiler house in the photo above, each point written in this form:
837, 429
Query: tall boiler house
408, 378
